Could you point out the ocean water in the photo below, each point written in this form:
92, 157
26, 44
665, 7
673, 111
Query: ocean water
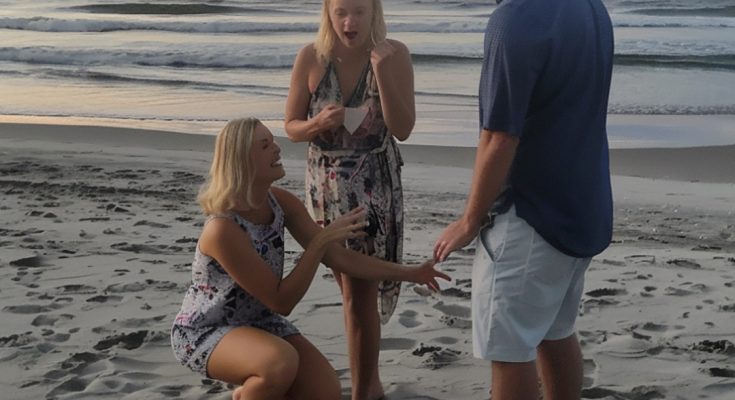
189, 66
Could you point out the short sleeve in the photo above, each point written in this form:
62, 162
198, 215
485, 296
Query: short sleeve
509, 73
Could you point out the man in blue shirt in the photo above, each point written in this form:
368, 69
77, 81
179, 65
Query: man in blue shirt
542, 174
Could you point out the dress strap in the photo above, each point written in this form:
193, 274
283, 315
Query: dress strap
276, 207
223, 215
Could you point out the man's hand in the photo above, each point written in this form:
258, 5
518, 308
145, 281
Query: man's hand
455, 236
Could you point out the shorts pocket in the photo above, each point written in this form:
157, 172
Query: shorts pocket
493, 237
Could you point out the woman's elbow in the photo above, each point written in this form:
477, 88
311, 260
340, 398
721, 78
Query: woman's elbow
290, 134
403, 132
285, 312
282, 309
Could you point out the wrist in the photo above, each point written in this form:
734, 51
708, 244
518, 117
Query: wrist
318, 125
318, 244
470, 219
406, 273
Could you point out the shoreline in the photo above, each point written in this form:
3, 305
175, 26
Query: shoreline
712, 164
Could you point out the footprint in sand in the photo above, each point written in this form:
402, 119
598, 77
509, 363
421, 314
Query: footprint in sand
74, 289
436, 357
720, 388
684, 263
8, 354
446, 340
456, 322
396, 343
140, 286
143, 248
31, 262
456, 292
72, 385
128, 341
671, 291
596, 337
653, 327
18, 340
27, 309
606, 292
721, 372
407, 318
638, 392
101, 299
715, 346
590, 372
453, 310
50, 320
151, 224
641, 259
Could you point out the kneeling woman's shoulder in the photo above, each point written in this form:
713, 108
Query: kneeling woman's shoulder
220, 233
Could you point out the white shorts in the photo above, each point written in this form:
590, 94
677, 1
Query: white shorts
524, 291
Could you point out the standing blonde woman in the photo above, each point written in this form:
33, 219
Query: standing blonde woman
231, 326
351, 94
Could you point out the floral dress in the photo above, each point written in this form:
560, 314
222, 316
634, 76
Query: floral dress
363, 168
214, 303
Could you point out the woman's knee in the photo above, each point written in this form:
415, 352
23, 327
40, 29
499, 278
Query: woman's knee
281, 368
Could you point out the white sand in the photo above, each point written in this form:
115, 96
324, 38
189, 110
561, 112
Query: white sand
98, 225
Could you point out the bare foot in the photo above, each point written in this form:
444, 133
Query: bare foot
236, 394
376, 391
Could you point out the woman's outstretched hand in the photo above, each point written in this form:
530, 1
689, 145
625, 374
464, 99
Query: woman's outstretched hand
426, 274
348, 226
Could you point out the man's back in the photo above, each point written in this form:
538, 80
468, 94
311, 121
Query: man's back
547, 76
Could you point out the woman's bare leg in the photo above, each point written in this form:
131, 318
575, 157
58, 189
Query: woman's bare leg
362, 324
316, 379
265, 365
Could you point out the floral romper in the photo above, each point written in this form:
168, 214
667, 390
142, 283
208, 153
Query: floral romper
363, 168
214, 304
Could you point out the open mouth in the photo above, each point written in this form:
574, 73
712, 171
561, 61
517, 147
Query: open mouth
351, 35
277, 163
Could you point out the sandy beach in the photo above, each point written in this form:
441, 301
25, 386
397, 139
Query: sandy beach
98, 227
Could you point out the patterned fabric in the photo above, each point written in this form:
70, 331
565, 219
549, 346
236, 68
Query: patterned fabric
363, 168
214, 303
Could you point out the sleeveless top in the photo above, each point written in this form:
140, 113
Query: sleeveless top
215, 299
363, 168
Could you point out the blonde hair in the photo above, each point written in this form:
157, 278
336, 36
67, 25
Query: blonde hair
326, 37
230, 180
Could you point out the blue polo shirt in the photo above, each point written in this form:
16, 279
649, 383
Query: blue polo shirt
546, 79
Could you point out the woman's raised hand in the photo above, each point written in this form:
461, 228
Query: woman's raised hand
380, 53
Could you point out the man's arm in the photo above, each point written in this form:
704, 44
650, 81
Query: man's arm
495, 153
